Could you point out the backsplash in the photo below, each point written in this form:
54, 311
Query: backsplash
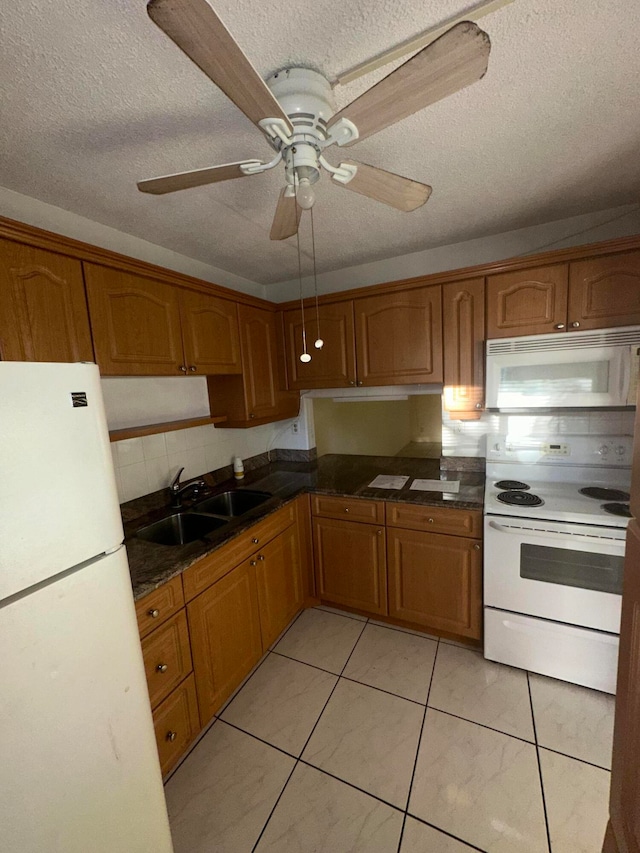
468, 438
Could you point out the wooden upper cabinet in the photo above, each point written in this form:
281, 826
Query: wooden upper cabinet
463, 333
399, 337
333, 366
135, 323
527, 302
43, 309
210, 333
604, 292
258, 395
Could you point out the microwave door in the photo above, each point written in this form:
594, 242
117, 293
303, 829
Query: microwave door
589, 377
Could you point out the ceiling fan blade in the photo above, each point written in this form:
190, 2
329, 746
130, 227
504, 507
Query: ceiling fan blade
412, 45
198, 31
197, 178
286, 219
394, 190
455, 60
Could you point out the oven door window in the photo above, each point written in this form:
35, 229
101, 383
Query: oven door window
582, 569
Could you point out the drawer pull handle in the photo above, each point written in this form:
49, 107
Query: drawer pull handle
153, 613
255, 541
162, 667
171, 736
430, 520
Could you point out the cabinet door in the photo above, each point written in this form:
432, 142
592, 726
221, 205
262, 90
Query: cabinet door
224, 625
624, 803
527, 302
436, 581
210, 333
399, 337
135, 323
350, 563
279, 580
605, 292
43, 308
259, 361
463, 332
333, 366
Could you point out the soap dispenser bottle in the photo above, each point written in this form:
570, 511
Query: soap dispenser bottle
238, 468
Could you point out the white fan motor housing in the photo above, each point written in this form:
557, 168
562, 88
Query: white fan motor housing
306, 97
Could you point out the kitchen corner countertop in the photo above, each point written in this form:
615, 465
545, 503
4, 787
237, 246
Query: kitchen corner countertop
152, 565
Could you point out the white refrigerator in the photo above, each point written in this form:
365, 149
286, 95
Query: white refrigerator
79, 769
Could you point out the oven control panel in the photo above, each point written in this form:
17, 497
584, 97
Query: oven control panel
614, 451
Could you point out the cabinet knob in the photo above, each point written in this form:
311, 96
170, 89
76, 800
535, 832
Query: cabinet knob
261, 557
477, 547
251, 415
153, 613
255, 540
359, 382
253, 563
379, 532
575, 325
192, 368
171, 736
559, 326
183, 368
162, 667
430, 520
352, 382
346, 509
478, 405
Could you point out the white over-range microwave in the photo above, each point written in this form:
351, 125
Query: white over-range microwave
570, 370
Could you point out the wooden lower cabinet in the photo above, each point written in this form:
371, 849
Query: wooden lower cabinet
350, 562
279, 582
176, 723
436, 581
224, 623
167, 657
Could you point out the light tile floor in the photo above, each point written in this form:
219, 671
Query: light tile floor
355, 736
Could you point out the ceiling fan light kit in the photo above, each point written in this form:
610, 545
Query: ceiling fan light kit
295, 111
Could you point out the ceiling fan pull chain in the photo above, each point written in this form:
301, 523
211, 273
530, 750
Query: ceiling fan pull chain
319, 343
305, 357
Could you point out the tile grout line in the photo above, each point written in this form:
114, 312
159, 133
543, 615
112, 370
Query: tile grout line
275, 805
535, 735
444, 832
483, 726
415, 760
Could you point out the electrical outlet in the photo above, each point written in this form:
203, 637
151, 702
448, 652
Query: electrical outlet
295, 428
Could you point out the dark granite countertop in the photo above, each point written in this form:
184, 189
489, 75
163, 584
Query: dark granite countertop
151, 565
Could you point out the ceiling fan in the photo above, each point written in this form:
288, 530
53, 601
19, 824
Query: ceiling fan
294, 108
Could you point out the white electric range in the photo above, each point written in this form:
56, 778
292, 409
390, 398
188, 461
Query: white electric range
556, 511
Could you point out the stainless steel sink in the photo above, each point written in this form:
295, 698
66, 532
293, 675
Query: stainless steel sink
180, 528
233, 503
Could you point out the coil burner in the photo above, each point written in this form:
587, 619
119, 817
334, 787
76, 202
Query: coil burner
520, 499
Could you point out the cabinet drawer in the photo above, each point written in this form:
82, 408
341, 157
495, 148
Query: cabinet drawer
210, 569
159, 605
167, 657
176, 723
351, 509
435, 519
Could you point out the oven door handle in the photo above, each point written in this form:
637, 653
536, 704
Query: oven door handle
545, 534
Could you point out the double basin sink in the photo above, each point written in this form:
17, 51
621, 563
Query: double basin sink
206, 516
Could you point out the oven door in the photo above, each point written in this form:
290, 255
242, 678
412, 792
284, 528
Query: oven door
569, 573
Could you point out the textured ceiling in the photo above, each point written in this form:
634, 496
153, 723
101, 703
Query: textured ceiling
94, 97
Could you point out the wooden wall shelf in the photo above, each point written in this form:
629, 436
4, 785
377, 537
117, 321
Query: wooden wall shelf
168, 426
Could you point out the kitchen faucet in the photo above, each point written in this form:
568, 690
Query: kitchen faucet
178, 491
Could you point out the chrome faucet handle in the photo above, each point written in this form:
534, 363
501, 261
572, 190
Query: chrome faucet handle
175, 483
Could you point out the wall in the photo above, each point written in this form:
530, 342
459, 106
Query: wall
589, 228
35, 212
149, 463
469, 438
367, 428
